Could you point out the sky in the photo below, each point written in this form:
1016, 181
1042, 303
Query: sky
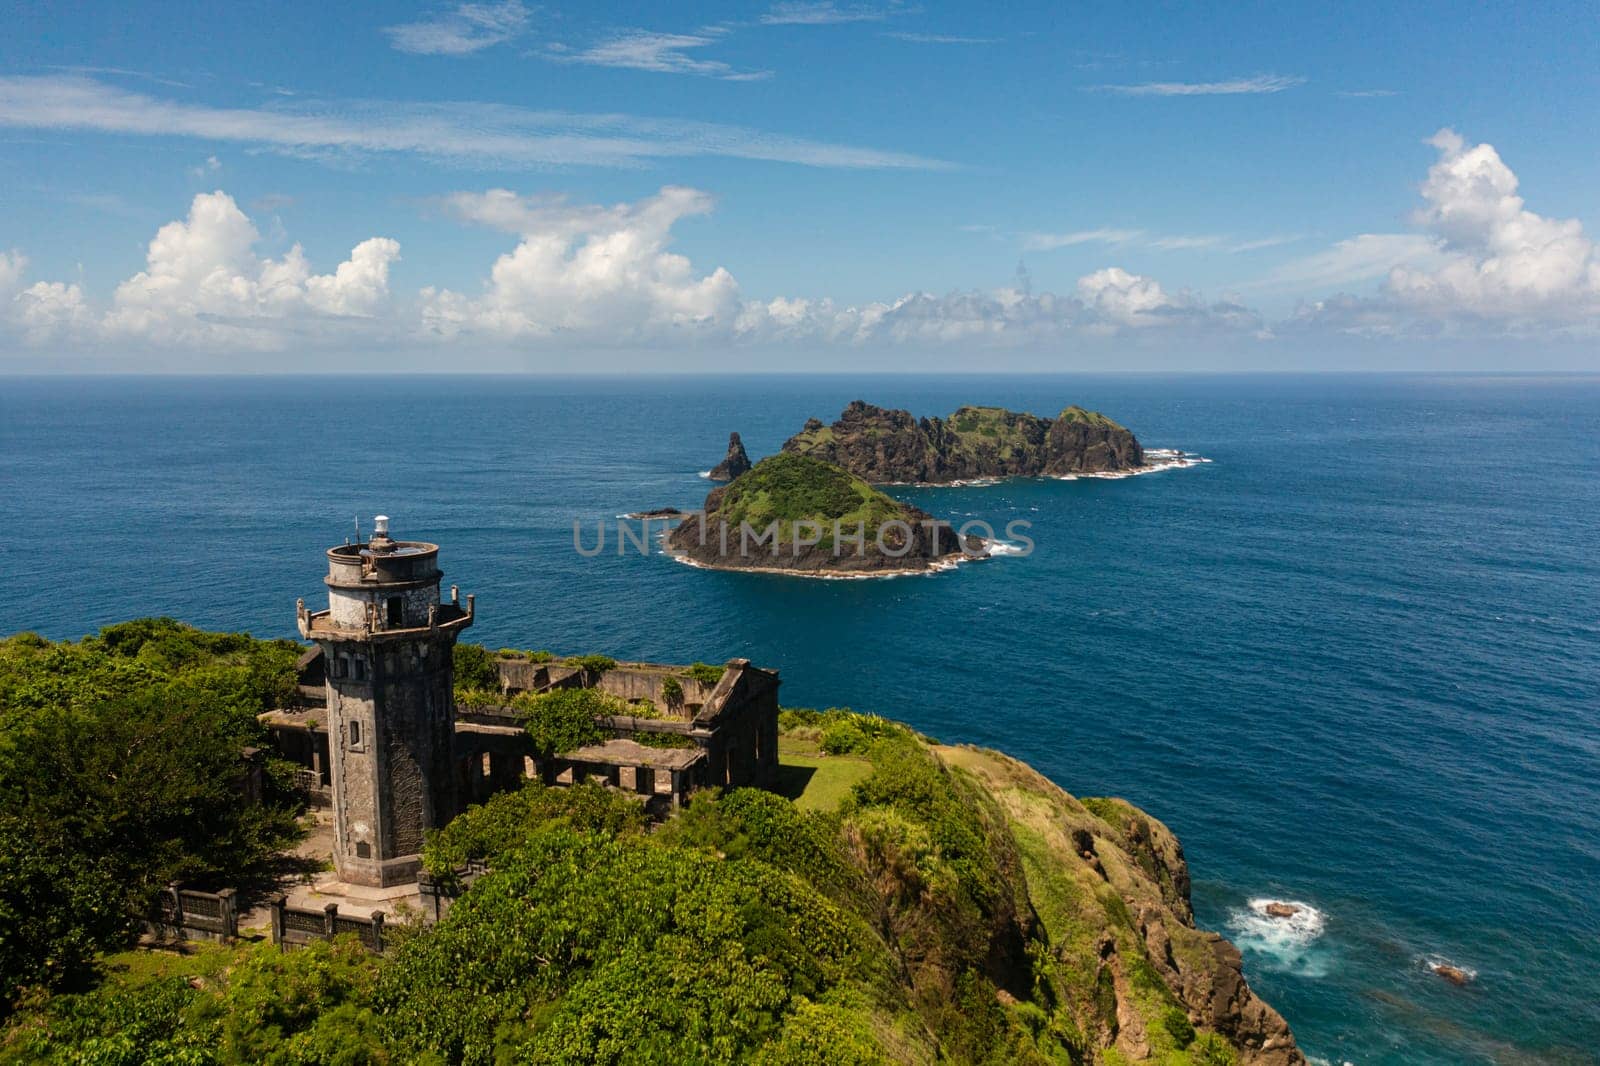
798, 185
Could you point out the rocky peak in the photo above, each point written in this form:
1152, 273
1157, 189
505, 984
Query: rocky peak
733, 464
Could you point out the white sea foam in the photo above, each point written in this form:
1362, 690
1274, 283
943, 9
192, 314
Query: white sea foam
1156, 460
705, 474
1288, 944
1003, 547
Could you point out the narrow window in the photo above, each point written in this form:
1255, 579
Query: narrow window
396, 610
338, 666
355, 734
361, 668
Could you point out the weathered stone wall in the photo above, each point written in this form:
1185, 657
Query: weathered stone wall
635, 684
399, 778
349, 606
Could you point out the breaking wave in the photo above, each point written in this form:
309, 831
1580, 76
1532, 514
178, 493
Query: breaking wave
1287, 944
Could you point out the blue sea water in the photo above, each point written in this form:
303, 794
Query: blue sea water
1354, 661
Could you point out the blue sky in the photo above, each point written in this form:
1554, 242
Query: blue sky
506, 186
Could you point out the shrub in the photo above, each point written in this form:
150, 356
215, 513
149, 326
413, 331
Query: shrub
844, 737
1212, 1050
564, 718
475, 668
672, 692
593, 665
1176, 1022
705, 673
487, 831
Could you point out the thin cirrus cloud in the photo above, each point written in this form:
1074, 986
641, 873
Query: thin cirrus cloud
460, 133
826, 13
665, 53
939, 38
1260, 84
461, 31
1048, 242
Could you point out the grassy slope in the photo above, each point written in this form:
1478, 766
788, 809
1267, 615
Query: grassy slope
788, 488
1091, 418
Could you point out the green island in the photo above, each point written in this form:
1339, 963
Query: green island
886, 446
891, 900
799, 513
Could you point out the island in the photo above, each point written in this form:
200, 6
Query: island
798, 514
887, 447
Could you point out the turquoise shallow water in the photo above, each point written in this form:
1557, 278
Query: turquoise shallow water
1354, 661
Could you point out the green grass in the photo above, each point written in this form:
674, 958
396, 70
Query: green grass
788, 488
139, 965
817, 782
1091, 418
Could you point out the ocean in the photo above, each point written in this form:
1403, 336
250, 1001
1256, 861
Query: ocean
1353, 661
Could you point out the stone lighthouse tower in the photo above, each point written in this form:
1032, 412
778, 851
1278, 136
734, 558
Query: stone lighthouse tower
388, 645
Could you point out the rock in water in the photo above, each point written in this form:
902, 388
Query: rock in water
1454, 974
889, 447
1282, 910
736, 462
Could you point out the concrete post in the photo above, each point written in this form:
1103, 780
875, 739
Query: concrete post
329, 913
229, 905
278, 903
377, 932
174, 891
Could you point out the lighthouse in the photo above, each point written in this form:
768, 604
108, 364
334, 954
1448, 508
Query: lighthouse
388, 644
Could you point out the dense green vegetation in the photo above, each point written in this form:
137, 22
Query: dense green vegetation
935, 909
705, 673
789, 487
564, 718
1089, 418
121, 761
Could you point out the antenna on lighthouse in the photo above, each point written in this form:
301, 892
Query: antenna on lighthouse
358, 529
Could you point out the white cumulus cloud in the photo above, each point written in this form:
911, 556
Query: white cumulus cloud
588, 272
1501, 259
579, 276
204, 283
1480, 262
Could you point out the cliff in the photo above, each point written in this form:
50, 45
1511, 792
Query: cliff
736, 462
1109, 887
799, 514
894, 447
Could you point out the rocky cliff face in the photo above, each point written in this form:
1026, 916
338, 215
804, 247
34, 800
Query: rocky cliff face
1110, 887
733, 464
893, 447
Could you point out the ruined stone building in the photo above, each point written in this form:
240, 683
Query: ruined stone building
379, 736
